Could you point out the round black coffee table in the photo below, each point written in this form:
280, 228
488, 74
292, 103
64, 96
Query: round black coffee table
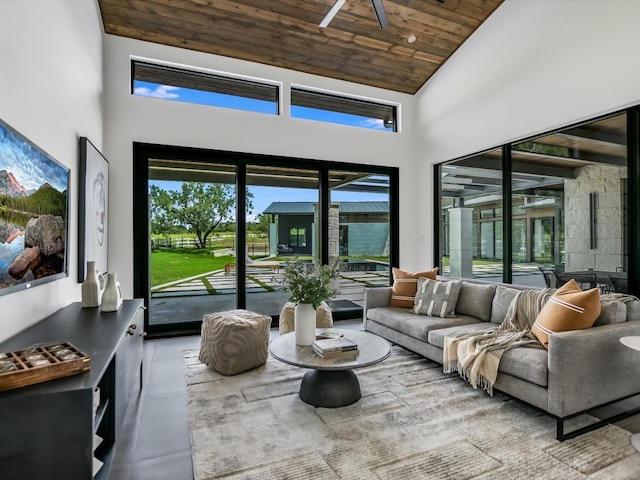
331, 382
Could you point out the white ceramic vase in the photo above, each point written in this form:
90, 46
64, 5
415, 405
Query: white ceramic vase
112, 296
305, 324
92, 287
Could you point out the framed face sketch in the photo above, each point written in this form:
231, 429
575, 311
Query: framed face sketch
94, 209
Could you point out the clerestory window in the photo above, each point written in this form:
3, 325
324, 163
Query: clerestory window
204, 88
328, 107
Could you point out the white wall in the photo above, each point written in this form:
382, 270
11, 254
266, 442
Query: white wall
50, 92
132, 119
533, 66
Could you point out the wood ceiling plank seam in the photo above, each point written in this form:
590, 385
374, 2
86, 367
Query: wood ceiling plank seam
352, 75
291, 26
329, 55
461, 12
399, 29
147, 6
359, 40
416, 19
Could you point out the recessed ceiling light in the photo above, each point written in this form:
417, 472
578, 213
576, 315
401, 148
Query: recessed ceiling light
411, 39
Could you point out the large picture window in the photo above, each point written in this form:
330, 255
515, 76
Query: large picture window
567, 200
215, 231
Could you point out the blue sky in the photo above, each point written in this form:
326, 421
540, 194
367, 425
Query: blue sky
187, 95
31, 167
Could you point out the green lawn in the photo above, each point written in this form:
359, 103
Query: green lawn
178, 263
170, 265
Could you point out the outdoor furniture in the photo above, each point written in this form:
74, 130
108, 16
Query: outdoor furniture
273, 265
620, 284
550, 277
234, 341
586, 280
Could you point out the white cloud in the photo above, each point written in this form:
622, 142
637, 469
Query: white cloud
161, 91
374, 123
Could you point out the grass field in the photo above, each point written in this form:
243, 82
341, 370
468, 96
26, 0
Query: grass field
178, 263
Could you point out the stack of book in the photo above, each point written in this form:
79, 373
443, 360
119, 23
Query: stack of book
330, 347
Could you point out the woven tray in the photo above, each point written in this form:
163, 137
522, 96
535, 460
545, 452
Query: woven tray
40, 364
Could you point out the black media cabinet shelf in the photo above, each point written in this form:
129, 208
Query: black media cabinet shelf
47, 429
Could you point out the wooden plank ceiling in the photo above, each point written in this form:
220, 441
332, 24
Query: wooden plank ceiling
285, 33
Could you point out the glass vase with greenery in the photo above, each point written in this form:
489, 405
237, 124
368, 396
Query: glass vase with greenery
308, 283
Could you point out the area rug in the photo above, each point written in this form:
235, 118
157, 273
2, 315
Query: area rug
412, 422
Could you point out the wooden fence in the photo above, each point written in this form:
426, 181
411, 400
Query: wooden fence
253, 249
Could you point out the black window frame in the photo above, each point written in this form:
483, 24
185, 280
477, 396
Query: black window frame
334, 102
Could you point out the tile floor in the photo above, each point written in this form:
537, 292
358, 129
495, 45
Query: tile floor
154, 442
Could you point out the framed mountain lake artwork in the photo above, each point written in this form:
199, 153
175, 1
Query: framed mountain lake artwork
94, 209
34, 207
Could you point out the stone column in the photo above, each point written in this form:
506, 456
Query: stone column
461, 242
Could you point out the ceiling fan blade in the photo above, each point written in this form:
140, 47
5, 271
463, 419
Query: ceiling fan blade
380, 13
332, 13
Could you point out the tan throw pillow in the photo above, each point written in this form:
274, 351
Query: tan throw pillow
405, 285
570, 308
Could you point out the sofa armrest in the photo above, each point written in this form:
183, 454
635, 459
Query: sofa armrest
375, 297
591, 367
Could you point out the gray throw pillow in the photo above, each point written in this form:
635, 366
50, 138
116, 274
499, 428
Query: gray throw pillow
436, 299
475, 300
501, 302
611, 312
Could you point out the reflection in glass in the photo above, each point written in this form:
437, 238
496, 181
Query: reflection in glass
359, 234
472, 217
282, 226
568, 189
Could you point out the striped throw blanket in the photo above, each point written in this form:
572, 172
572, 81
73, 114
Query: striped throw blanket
476, 355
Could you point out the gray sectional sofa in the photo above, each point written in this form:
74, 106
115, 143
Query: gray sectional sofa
582, 369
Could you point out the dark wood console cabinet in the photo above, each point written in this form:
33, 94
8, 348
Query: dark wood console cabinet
47, 430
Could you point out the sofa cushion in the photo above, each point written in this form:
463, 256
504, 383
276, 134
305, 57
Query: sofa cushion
437, 299
529, 364
611, 312
501, 301
405, 285
436, 337
476, 300
570, 308
416, 326
633, 311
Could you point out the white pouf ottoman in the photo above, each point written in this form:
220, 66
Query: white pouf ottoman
234, 341
324, 319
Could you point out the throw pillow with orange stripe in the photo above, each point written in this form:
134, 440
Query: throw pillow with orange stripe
405, 285
570, 308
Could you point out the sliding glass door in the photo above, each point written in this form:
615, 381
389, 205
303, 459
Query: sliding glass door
214, 230
359, 234
282, 225
192, 238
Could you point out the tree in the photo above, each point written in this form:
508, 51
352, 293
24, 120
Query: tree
159, 204
197, 207
261, 225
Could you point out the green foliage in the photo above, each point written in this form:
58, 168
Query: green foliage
260, 226
542, 148
45, 200
308, 283
200, 208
